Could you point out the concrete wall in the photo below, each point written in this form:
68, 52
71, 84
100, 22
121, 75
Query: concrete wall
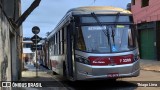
148, 13
10, 42
5, 55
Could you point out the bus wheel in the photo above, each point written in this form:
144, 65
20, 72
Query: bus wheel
54, 73
64, 69
112, 80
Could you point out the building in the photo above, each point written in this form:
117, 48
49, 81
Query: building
146, 15
11, 38
27, 52
31, 54
10, 41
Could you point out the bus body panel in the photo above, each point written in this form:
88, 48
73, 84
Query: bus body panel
96, 72
57, 63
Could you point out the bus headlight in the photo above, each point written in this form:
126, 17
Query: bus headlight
136, 57
82, 60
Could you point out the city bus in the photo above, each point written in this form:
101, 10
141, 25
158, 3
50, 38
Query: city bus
94, 42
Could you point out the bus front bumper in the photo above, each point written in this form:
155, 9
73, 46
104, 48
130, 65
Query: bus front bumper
107, 72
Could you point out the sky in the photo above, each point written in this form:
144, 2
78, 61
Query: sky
48, 14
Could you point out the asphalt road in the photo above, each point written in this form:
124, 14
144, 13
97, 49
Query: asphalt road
148, 80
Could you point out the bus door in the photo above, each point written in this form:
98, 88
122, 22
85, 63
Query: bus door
69, 52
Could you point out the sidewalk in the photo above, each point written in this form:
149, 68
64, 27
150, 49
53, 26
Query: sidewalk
29, 75
151, 65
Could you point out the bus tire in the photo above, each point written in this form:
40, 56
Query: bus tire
64, 69
112, 80
54, 73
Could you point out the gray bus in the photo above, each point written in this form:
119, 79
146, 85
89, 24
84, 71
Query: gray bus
95, 42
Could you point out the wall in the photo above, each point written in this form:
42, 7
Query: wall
10, 42
146, 14
147, 20
5, 55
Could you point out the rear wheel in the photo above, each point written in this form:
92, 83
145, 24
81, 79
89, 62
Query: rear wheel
64, 69
54, 73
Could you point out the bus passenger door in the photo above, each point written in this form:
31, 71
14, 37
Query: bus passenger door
69, 52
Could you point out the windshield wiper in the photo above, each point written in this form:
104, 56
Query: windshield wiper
106, 32
113, 31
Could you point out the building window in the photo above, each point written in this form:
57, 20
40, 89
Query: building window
133, 2
27, 45
129, 6
145, 3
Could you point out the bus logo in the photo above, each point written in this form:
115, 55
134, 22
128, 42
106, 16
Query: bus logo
112, 63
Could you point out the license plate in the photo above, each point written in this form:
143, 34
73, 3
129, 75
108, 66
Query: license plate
112, 75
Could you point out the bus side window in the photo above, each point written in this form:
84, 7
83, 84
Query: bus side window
80, 41
64, 39
56, 45
53, 45
59, 45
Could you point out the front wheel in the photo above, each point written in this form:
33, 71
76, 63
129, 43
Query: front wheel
112, 80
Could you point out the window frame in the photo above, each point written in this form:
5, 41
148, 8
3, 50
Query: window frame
133, 2
144, 3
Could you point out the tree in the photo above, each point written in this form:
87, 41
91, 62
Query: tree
23, 17
47, 34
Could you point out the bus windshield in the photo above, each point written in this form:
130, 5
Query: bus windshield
93, 39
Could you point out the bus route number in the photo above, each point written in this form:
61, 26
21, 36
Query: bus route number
125, 60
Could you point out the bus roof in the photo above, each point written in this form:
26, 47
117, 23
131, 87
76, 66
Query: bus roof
89, 10
98, 9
